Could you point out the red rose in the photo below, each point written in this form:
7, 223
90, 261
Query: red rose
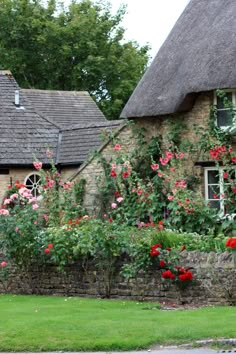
125, 174
50, 245
113, 173
168, 275
162, 263
154, 253
47, 250
168, 249
231, 242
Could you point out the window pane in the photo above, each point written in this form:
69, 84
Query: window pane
213, 177
213, 192
214, 204
224, 118
224, 102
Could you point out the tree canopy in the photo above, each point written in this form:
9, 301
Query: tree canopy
79, 47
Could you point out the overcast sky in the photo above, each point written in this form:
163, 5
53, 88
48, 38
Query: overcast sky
150, 20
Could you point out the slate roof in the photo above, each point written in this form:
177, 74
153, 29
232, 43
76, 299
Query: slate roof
79, 142
22, 131
198, 55
41, 122
65, 108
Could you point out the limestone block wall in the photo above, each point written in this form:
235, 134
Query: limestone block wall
214, 282
92, 171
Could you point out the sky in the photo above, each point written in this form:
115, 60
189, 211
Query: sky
150, 21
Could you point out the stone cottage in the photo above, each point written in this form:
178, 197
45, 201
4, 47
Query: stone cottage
67, 122
197, 58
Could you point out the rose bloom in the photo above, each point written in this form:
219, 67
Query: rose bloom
51, 183
3, 264
164, 161
139, 192
16, 229
50, 245
231, 242
125, 174
170, 197
7, 201
113, 173
120, 199
49, 153
117, 147
155, 167
35, 206
37, 165
4, 212
113, 205
47, 250
162, 263
14, 196
225, 175
113, 166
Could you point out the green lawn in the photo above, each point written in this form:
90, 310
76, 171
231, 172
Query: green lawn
43, 323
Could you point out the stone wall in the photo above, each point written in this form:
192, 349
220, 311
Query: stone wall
92, 171
214, 274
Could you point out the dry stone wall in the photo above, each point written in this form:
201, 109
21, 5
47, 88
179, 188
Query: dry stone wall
214, 274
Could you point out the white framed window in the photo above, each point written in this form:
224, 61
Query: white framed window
216, 187
33, 182
225, 109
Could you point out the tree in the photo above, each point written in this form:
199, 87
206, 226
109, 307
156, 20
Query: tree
81, 47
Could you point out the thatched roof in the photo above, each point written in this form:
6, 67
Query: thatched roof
198, 55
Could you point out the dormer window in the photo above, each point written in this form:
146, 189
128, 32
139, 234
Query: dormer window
225, 102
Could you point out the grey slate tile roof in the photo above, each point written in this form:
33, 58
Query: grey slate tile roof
40, 122
198, 55
79, 142
65, 108
22, 131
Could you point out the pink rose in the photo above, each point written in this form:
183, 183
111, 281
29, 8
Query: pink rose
4, 212
35, 206
3, 264
120, 199
49, 153
155, 167
51, 183
117, 147
37, 165
113, 205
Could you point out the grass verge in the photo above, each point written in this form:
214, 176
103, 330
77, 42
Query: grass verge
43, 323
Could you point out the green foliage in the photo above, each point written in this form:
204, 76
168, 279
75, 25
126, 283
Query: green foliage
81, 47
